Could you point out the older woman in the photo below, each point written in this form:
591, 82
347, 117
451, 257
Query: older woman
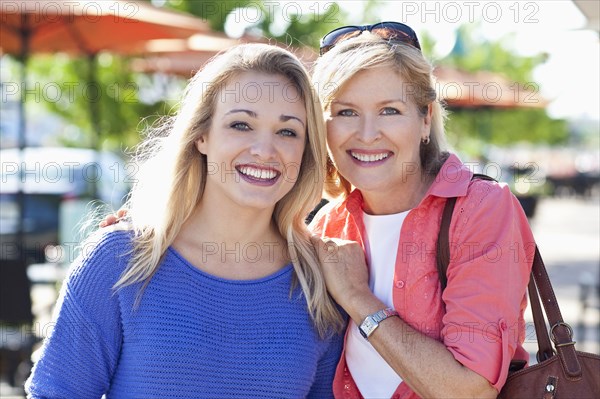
390, 168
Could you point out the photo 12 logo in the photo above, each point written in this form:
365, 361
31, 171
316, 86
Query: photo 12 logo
468, 11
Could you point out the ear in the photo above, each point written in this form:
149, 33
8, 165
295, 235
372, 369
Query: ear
429, 115
427, 122
201, 145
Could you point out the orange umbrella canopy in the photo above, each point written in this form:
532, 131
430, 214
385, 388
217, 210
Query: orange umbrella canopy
87, 27
186, 57
460, 89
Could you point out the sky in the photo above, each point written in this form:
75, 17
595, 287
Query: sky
569, 78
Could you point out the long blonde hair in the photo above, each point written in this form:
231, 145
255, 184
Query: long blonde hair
172, 177
346, 59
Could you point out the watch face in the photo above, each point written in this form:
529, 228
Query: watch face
367, 326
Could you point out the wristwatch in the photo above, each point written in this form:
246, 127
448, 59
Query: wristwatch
371, 322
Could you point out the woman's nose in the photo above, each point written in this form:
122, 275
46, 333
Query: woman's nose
368, 130
264, 147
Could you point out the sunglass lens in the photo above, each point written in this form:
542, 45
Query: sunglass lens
338, 35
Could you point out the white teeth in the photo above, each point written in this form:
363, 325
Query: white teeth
262, 174
370, 157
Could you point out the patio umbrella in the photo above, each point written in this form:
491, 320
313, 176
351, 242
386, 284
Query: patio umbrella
86, 28
461, 89
183, 57
83, 28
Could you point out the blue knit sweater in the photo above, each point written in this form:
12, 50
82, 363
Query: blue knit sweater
194, 335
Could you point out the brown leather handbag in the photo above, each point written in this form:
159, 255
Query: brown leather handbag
561, 373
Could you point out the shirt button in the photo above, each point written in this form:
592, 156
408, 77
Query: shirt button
399, 284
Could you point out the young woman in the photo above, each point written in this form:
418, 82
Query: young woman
389, 166
214, 290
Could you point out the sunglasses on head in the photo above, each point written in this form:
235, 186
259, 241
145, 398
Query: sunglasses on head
391, 31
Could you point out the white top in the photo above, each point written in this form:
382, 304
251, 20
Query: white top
378, 380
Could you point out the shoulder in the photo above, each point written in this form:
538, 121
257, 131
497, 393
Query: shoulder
102, 259
487, 206
483, 192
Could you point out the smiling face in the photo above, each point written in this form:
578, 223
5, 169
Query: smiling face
255, 143
374, 132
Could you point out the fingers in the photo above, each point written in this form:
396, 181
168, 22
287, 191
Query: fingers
109, 220
112, 219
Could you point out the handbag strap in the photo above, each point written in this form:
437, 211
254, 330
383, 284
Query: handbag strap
539, 286
443, 243
560, 332
545, 350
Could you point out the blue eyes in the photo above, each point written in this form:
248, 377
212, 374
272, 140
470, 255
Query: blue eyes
346, 112
287, 133
240, 126
390, 111
244, 127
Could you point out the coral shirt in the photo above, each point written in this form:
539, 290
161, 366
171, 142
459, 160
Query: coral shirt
479, 317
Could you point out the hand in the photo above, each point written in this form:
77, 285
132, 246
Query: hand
344, 267
109, 220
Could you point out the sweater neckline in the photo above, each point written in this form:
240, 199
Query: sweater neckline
288, 268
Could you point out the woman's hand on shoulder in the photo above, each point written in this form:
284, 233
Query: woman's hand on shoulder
344, 267
115, 220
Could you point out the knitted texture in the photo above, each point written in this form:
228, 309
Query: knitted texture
193, 335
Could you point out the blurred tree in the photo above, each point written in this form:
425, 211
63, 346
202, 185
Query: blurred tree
303, 27
291, 23
62, 85
215, 12
497, 126
472, 54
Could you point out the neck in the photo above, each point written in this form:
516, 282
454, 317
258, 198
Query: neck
210, 223
238, 243
399, 198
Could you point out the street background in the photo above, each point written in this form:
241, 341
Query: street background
567, 231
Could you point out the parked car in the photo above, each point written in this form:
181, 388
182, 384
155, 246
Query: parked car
50, 178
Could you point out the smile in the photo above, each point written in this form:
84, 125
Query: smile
362, 157
258, 175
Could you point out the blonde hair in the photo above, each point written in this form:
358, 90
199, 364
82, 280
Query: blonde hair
336, 67
159, 206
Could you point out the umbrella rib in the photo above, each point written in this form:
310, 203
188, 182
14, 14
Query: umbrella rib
78, 39
22, 30
15, 29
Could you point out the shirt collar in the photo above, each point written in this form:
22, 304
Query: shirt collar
452, 180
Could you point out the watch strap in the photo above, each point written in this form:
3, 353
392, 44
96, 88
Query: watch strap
384, 314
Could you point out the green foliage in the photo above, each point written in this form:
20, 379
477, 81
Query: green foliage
304, 23
473, 55
305, 29
63, 85
503, 127
215, 12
